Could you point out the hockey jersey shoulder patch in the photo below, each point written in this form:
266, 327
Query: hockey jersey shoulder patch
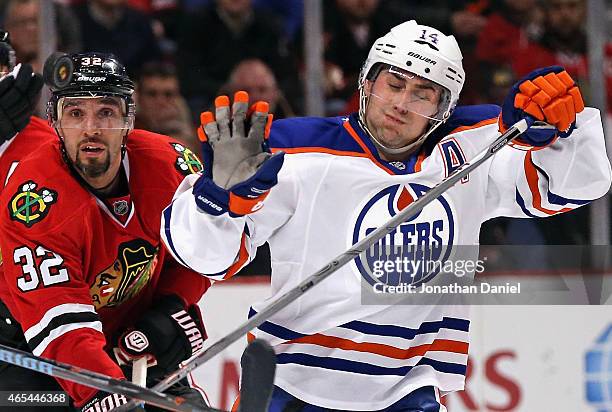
325, 135
31, 204
187, 161
467, 116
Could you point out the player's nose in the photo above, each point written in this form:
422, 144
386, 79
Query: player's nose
402, 102
91, 126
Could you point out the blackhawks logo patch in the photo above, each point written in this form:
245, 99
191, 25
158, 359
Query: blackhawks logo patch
187, 163
30, 205
124, 278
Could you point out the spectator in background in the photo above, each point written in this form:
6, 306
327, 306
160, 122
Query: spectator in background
350, 27
217, 38
467, 19
562, 40
509, 29
291, 11
257, 79
165, 16
21, 20
111, 26
161, 108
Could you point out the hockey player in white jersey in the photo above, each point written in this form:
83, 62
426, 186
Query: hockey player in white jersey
333, 180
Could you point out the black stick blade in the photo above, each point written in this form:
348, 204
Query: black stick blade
257, 381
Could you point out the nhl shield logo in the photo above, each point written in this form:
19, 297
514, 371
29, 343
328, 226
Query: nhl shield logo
121, 207
29, 205
404, 256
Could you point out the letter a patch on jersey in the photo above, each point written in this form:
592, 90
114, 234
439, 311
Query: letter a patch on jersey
453, 157
30, 205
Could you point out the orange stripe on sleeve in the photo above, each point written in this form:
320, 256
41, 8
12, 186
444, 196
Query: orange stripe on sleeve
236, 404
243, 256
438, 345
316, 149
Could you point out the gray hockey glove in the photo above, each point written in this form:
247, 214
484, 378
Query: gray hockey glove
239, 169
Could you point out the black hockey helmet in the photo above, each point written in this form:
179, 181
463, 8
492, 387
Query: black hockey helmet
88, 75
7, 54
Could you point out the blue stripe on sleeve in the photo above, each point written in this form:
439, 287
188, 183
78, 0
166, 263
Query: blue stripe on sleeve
521, 203
346, 365
407, 333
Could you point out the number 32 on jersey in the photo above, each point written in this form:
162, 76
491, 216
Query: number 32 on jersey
50, 271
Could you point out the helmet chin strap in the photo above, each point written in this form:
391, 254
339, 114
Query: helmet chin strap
409, 148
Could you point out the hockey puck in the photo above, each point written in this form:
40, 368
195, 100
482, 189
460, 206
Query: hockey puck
58, 70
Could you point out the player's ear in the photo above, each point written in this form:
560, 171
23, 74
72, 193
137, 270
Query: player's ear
367, 87
131, 121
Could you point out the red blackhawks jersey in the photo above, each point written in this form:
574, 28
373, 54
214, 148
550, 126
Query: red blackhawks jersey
78, 269
36, 134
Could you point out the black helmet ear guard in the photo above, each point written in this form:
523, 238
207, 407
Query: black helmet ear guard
86, 75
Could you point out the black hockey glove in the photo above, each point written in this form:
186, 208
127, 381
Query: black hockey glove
18, 96
167, 334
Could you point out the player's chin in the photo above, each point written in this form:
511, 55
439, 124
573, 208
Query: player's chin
393, 140
93, 167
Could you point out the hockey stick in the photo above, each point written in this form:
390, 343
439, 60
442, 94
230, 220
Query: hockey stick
258, 366
415, 207
139, 374
97, 380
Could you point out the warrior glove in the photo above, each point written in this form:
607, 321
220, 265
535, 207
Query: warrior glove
547, 95
239, 169
166, 335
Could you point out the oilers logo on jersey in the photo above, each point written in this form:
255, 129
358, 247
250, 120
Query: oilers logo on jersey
415, 251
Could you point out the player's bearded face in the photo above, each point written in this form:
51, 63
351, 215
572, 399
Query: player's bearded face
400, 107
93, 130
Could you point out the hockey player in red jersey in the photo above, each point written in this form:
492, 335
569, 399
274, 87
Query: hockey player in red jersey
84, 271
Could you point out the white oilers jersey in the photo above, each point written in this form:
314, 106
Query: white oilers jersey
333, 190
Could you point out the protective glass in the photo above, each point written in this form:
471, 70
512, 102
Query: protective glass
92, 113
412, 92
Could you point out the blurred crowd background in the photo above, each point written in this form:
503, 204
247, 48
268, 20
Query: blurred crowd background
184, 53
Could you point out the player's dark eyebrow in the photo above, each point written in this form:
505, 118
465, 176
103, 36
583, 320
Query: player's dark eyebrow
398, 76
109, 101
425, 86
71, 103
